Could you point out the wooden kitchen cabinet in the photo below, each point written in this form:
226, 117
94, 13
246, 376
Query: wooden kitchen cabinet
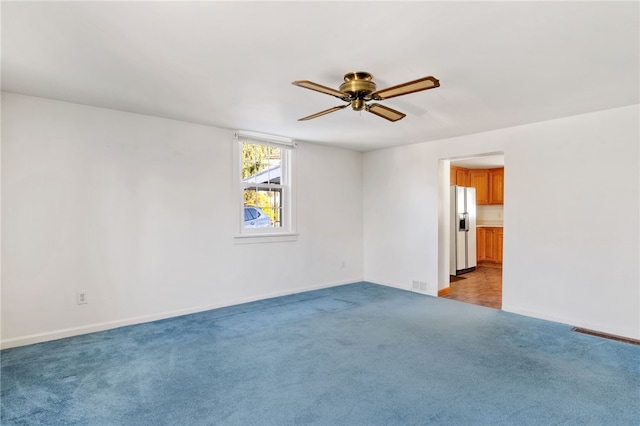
459, 176
462, 177
496, 186
489, 244
481, 242
479, 179
489, 183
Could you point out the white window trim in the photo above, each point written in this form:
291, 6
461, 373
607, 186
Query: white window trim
288, 232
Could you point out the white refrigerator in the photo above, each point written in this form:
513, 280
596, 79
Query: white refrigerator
463, 230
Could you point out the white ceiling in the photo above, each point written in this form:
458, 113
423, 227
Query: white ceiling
231, 64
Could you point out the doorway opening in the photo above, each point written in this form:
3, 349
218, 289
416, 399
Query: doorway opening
481, 285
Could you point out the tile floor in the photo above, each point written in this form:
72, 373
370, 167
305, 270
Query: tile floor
480, 287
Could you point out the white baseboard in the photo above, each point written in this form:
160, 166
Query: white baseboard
407, 288
571, 322
93, 328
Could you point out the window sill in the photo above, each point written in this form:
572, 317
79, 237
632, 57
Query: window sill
265, 238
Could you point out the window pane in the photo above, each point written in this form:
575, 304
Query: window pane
261, 163
268, 202
264, 182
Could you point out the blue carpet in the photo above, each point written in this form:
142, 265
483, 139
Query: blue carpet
359, 354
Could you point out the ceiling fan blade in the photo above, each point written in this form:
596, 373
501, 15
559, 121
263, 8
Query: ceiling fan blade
385, 112
320, 88
406, 88
326, 111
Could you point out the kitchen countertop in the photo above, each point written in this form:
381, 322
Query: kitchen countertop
489, 225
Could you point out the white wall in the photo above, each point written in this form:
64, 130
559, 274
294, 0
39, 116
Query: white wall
138, 212
571, 243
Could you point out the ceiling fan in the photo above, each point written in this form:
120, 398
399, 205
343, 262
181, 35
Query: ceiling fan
358, 89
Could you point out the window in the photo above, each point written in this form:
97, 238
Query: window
264, 178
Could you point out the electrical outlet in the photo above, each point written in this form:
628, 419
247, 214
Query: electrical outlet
82, 297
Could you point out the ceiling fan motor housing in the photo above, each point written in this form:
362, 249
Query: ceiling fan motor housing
359, 86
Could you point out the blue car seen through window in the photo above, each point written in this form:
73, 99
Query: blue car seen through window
254, 217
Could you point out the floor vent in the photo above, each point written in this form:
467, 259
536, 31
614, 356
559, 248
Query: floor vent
419, 286
606, 335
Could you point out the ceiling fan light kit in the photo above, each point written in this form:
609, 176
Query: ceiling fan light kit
359, 88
